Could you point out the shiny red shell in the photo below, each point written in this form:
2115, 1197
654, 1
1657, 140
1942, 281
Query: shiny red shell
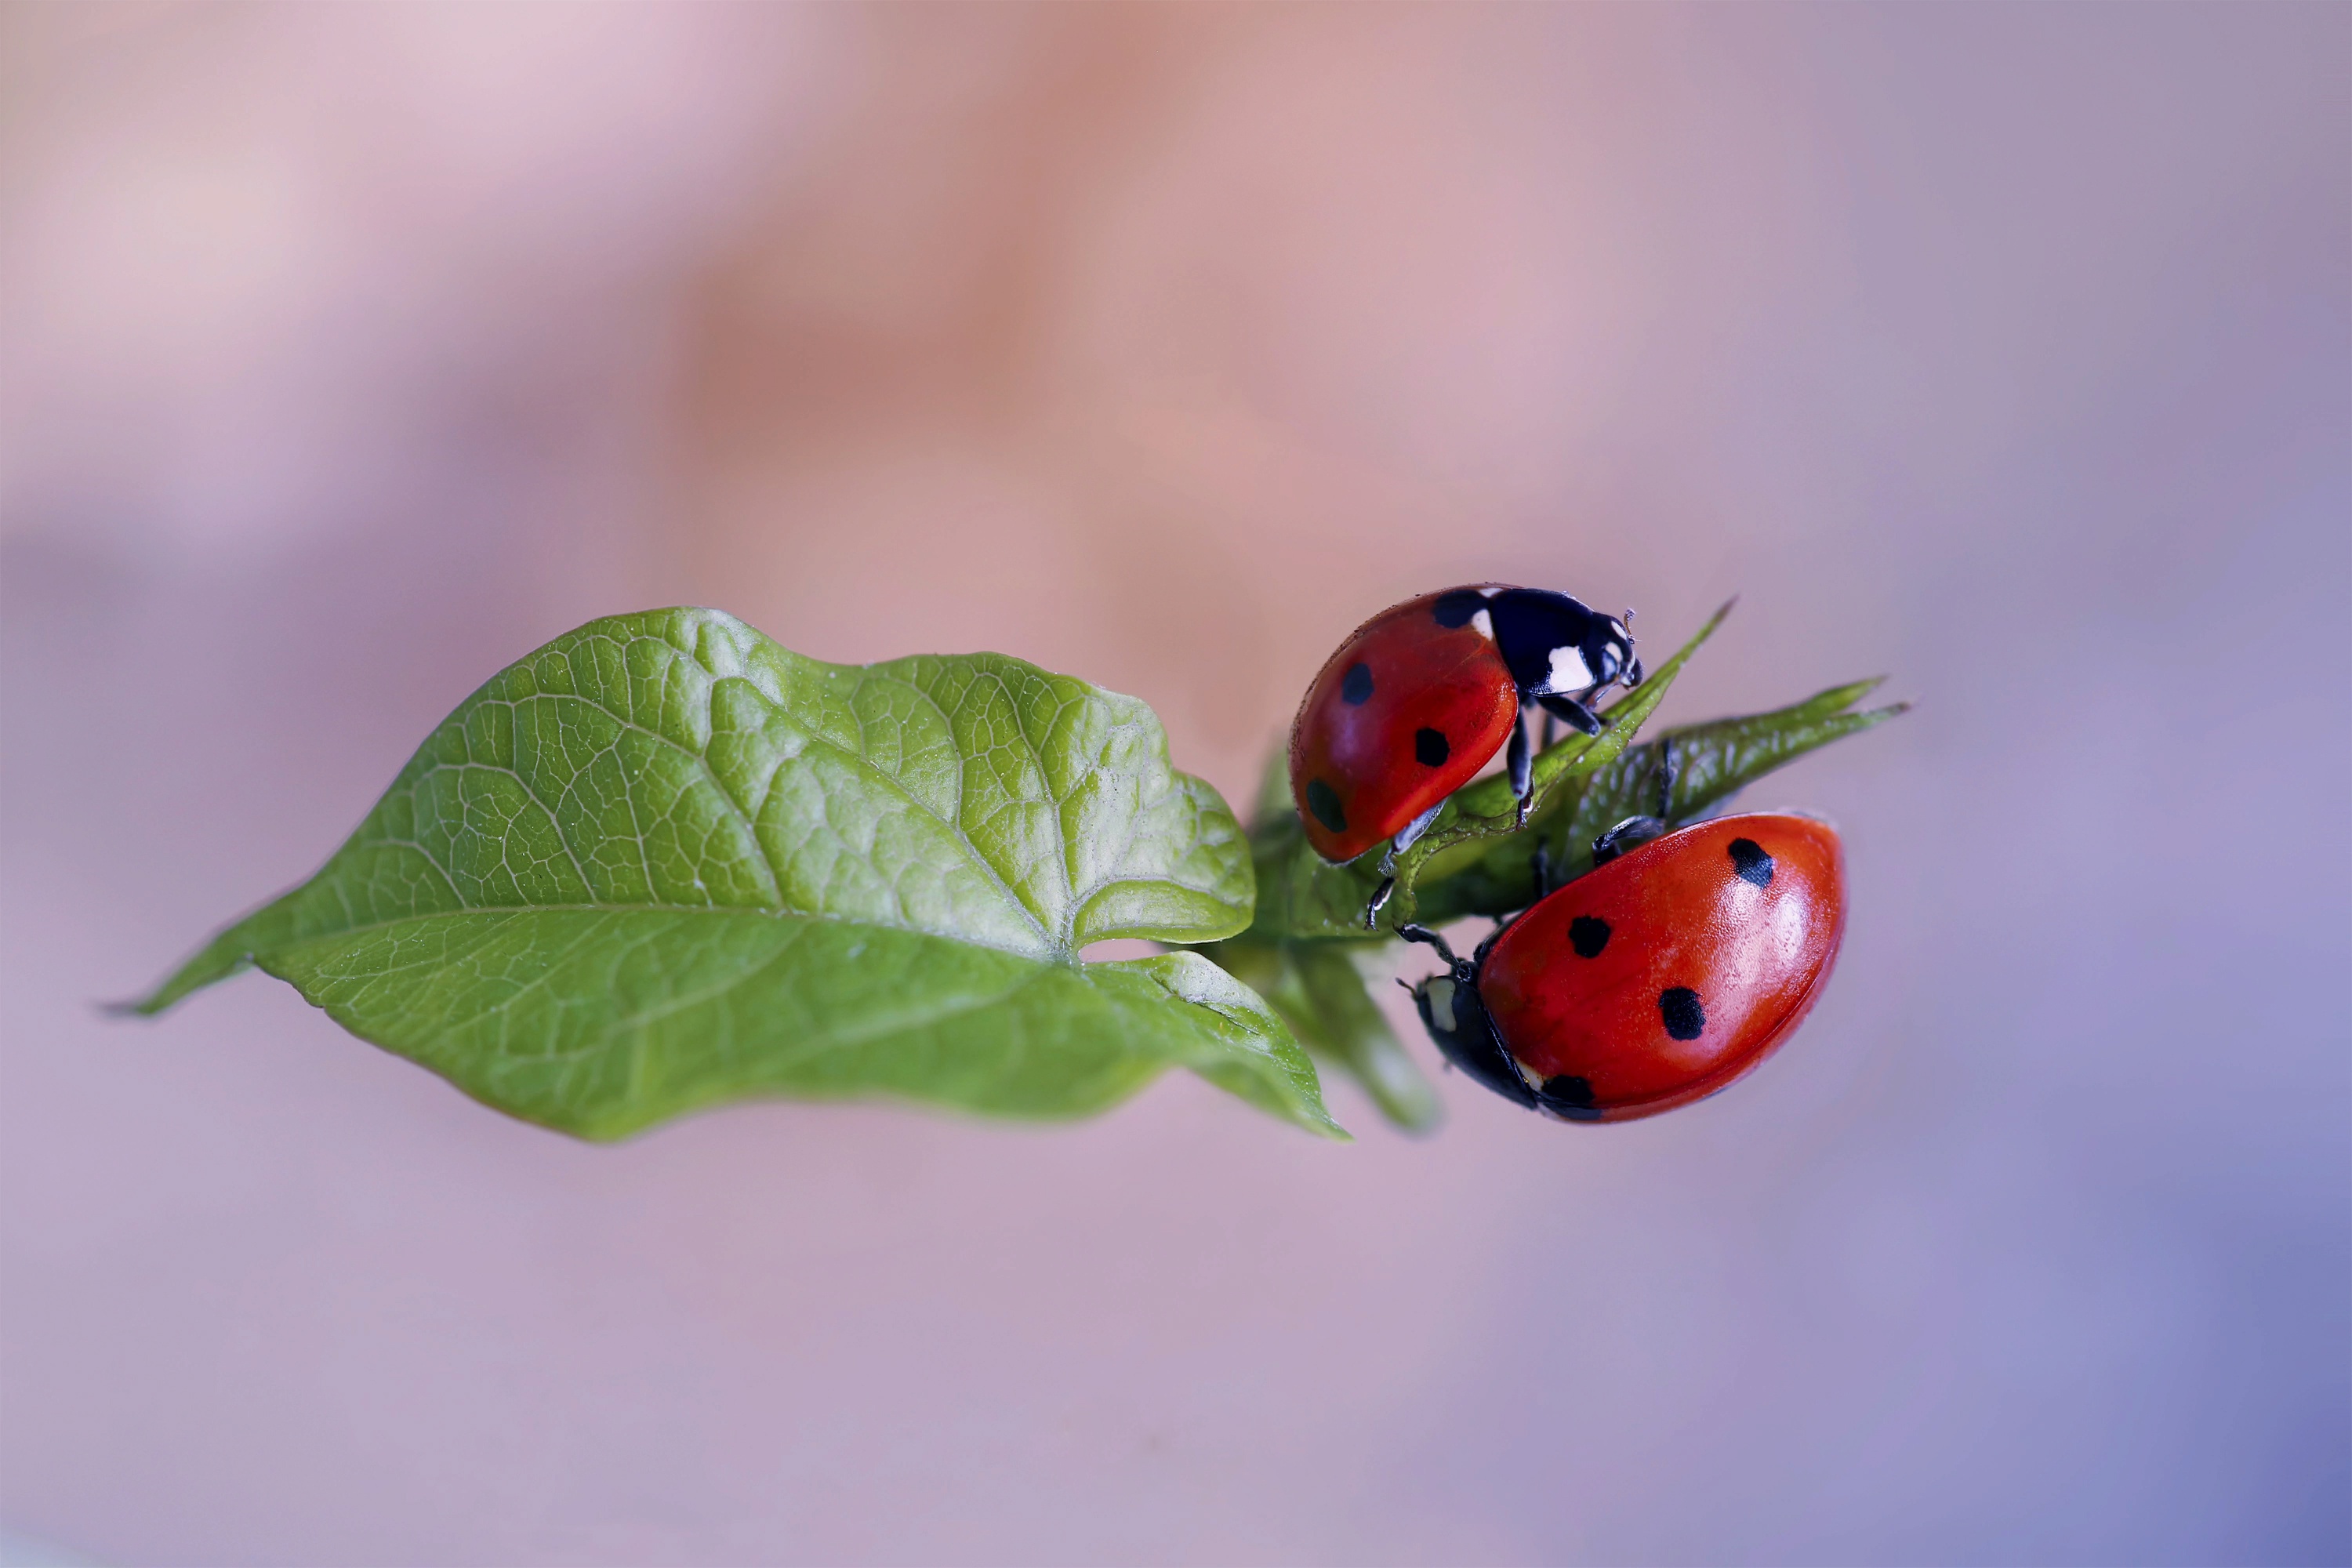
1405, 713
1676, 968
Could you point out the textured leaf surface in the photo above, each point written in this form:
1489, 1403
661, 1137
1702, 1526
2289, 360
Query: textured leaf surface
663, 862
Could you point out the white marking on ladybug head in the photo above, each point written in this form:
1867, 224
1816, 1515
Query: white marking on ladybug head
1485, 625
1568, 670
1439, 990
1619, 643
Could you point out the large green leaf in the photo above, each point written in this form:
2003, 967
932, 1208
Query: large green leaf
663, 862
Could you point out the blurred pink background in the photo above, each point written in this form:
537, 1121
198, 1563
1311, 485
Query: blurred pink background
348, 352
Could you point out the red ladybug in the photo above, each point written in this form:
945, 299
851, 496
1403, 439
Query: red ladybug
1659, 978
1421, 696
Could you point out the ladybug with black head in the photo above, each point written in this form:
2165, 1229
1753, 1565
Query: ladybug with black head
1420, 697
1671, 970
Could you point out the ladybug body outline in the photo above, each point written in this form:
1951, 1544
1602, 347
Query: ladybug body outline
1419, 698
1666, 974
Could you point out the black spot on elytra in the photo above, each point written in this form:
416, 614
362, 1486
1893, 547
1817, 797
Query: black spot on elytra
1569, 1090
1356, 686
1324, 802
1455, 609
1588, 934
1429, 748
1571, 1098
1750, 863
1684, 1019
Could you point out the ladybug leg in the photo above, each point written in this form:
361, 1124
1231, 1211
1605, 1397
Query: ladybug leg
1522, 765
1630, 834
1422, 933
1540, 864
1637, 830
1577, 714
1404, 841
1408, 836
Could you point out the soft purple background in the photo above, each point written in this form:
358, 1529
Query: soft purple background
349, 353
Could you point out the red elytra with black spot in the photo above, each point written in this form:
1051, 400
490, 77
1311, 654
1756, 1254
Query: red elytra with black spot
1405, 713
1674, 970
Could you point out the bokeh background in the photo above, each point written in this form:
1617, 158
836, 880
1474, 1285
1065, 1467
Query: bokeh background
351, 352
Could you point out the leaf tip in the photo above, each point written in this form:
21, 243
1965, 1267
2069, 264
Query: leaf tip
1323, 1127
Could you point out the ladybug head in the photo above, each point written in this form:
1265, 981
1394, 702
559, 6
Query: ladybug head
1448, 1003
1449, 1008
1612, 656
1556, 646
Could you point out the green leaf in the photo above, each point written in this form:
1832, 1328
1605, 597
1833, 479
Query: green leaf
1301, 895
662, 863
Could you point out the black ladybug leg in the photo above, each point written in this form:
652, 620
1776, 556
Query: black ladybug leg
1421, 934
1404, 841
1636, 830
1523, 784
1627, 834
1408, 836
1550, 720
1578, 717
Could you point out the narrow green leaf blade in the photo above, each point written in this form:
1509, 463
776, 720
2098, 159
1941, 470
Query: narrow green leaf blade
1713, 760
663, 862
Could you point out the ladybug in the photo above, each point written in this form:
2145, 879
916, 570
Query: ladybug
1420, 697
1662, 976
